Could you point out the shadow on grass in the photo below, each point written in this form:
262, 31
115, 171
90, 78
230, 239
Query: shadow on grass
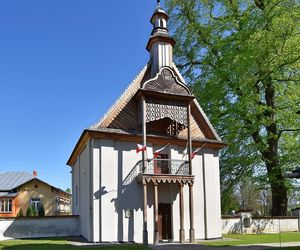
36, 247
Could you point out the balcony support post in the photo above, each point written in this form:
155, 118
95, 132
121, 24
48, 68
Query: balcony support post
191, 195
155, 210
145, 230
181, 214
191, 203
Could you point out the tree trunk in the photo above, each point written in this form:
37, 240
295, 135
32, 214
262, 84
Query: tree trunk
276, 179
279, 190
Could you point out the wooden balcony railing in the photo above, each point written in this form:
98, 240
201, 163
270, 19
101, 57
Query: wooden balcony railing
158, 167
166, 166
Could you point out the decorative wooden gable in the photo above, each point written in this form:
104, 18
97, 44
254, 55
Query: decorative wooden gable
166, 82
125, 113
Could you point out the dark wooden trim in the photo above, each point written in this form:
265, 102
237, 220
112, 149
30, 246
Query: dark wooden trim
157, 13
80, 145
160, 38
156, 94
134, 137
165, 178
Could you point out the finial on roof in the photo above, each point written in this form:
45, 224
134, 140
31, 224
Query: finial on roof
158, 3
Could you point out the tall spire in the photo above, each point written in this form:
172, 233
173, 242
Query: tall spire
160, 44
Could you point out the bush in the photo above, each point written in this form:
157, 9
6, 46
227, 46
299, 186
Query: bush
30, 211
41, 211
20, 213
35, 213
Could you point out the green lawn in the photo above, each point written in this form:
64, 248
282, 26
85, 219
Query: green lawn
229, 240
245, 239
58, 244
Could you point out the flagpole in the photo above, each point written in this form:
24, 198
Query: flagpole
144, 131
191, 195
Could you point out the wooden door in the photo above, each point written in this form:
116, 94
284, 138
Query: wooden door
164, 221
161, 167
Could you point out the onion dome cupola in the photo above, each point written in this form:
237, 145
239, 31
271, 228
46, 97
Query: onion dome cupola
160, 44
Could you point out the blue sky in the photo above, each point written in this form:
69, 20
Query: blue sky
62, 64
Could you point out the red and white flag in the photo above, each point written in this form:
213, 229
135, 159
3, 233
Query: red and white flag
157, 152
185, 151
140, 148
196, 151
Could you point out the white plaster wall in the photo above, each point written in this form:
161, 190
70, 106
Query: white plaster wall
117, 159
39, 227
96, 153
113, 161
186, 211
75, 183
108, 190
212, 194
84, 193
274, 225
198, 197
261, 225
175, 211
231, 225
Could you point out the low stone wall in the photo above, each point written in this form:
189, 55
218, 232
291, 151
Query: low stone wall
256, 225
37, 227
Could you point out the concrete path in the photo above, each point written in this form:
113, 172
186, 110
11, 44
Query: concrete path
173, 246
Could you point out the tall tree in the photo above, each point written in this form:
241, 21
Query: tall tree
242, 59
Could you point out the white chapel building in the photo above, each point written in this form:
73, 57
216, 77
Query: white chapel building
167, 188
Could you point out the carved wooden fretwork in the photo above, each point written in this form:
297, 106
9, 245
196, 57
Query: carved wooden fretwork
167, 82
147, 178
175, 128
160, 109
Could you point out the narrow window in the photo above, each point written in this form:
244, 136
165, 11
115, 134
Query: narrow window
161, 23
76, 195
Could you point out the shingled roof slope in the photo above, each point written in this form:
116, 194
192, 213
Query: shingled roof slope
12, 180
121, 102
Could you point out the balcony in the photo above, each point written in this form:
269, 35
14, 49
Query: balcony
160, 170
165, 167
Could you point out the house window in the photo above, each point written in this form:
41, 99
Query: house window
35, 203
5, 205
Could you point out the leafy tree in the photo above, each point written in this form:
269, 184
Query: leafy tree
41, 210
68, 190
20, 213
242, 58
229, 202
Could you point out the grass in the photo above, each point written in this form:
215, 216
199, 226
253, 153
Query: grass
247, 239
58, 244
229, 240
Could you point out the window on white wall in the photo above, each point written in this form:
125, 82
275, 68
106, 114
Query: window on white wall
5, 205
